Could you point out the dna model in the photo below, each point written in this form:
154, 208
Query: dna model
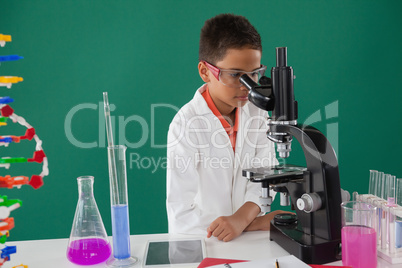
7, 115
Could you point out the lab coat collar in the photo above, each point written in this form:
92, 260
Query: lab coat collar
202, 108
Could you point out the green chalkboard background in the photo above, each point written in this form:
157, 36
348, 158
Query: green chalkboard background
346, 57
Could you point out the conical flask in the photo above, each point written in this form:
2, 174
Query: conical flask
88, 242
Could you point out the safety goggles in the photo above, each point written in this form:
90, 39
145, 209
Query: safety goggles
230, 78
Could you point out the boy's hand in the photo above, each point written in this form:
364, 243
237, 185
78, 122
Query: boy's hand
226, 228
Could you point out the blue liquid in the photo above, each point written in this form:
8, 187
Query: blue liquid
121, 232
398, 234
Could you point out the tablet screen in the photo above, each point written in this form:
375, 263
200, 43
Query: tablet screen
174, 252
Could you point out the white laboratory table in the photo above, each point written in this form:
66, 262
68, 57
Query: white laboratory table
248, 246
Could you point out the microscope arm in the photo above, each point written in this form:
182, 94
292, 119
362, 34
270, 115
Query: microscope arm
323, 179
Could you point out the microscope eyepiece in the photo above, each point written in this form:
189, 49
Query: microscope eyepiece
248, 82
281, 57
259, 95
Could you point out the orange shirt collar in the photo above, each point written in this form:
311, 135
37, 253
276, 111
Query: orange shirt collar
216, 112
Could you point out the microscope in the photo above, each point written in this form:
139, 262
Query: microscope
314, 233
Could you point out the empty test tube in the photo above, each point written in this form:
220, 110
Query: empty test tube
398, 214
379, 186
384, 189
391, 190
398, 192
373, 181
369, 198
391, 218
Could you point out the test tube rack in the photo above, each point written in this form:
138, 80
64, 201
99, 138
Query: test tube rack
388, 222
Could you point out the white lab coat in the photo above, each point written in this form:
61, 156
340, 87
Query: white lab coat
204, 175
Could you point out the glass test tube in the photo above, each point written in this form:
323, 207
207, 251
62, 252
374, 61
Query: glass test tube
380, 179
388, 217
398, 214
369, 198
398, 192
373, 182
382, 209
391, 190
379, 203
391, 219
384, 190
119, 204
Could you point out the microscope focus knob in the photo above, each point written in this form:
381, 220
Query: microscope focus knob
309, 202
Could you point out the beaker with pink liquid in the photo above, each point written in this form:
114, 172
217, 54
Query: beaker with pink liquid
359, 237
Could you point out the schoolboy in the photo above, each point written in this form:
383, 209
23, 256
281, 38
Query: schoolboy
216, 135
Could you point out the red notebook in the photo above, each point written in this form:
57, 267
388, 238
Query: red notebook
208, 262
328, 266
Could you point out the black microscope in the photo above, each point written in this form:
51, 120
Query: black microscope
314, 233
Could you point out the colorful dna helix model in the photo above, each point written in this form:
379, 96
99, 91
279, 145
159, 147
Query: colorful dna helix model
7, 114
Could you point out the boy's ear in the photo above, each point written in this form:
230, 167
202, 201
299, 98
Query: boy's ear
203, 71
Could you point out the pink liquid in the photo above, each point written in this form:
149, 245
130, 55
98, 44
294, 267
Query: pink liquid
359, 247
88, 251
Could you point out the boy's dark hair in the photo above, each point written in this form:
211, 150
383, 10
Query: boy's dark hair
226, 31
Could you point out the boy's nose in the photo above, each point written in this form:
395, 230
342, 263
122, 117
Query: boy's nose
243, 88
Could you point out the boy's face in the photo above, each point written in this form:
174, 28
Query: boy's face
227, 98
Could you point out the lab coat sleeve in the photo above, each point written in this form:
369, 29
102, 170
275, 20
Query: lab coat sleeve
182, 181
264, 157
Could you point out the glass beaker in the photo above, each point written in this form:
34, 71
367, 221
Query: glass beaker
88, 242
119, 202
359, 245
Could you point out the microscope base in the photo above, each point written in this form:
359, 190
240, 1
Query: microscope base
309, 249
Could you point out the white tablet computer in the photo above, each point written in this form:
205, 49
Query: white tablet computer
174, 253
